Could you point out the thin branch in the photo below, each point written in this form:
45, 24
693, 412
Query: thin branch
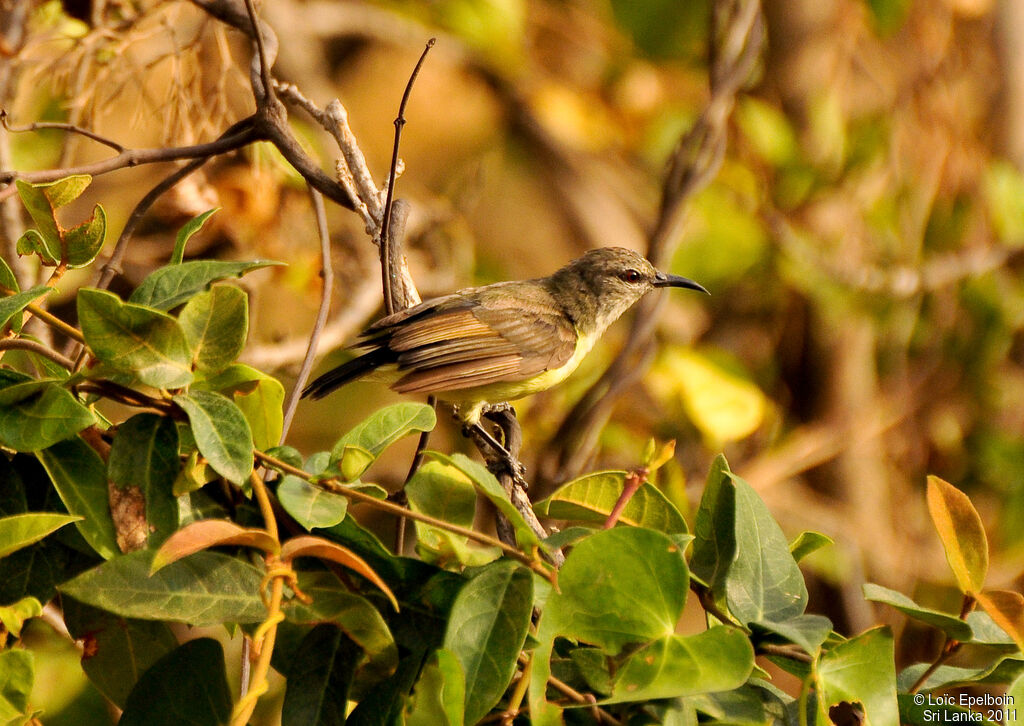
239, 135
784, 651
387, 254
261, 55
112, 266
55, 322
34, 347
327, 276
59, 126
333, 485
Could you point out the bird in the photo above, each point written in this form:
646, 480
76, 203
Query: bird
488, 345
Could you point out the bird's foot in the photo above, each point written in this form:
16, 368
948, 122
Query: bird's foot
512, 465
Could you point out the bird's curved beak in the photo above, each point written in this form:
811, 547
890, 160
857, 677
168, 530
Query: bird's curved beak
662, 279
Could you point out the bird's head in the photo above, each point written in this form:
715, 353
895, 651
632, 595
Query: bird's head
613, 279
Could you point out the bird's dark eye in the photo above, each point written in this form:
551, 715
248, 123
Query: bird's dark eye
630, 276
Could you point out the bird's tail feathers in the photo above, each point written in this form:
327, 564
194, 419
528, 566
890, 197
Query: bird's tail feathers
348, 372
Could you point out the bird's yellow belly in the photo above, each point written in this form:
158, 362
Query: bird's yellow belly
472, 400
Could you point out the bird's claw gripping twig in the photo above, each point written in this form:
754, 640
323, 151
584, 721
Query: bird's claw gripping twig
514, 467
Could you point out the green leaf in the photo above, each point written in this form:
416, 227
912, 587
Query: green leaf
741, 552
189, 685
17, 674
385, 426
674, 666
311, 506
985, 631
807, 542
222, 434
62, 192
85, 240
216, 323
262, 406
440, 693
355, 615
807, 631
259, 396
13, 616
32, 242
120, 649
208, 588
714, 544
486, 631
40, 208
1003, 670
488, 485
185, 234
144, 458
80, 477
619, 587
447, 494
319, 679
861, 670
592, 497
951, 625
170, 286
22, 530
962, 533
7, 278
135, 339
44, 416
14, 304
354, 460
36, 570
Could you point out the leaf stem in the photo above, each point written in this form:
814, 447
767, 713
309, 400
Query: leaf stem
949, 647
266, 634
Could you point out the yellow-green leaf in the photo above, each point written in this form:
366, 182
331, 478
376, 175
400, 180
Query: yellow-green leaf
1007, 609
962, 534
724, 406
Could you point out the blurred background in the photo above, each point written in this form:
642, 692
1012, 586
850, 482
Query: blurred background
862, 239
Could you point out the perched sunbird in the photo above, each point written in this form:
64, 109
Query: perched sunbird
501, 342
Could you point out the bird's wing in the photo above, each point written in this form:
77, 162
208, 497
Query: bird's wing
462, 344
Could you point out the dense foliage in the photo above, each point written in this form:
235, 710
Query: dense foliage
162, 515
844, 176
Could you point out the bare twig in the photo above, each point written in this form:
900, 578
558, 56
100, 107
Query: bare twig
265, 94
387, 254
58, 126
634, 480
237, 136
327, 276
